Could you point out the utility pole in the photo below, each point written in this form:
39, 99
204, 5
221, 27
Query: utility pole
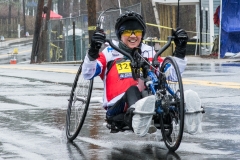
47, 12
24, 19
36, 37
201, 26
119, 4
45, 36
9, 18
92, 20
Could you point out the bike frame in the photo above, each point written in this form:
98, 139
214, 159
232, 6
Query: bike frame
154, 80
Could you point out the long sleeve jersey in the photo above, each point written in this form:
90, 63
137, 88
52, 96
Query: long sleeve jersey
115, 71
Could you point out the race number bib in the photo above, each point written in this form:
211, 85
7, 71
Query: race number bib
124, 69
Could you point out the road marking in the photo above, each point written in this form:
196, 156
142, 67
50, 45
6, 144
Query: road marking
8, 55
186, 81
34, 68
212, 84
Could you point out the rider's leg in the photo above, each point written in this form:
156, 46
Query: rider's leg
114, 116
131, 96
116, 112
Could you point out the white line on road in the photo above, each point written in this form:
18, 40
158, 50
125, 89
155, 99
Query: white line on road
233, 85
19, 53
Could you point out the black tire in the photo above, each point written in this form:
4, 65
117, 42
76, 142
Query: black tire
78, 105
172, 119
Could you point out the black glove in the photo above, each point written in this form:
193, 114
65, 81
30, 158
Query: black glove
98, 38
180, 41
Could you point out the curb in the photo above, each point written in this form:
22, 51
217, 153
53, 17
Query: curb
19, 42
7, 43
207, 59
64, 62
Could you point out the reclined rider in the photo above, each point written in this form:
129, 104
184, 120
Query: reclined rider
120, 89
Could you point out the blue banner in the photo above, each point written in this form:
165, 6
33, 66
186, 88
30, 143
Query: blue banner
230, 27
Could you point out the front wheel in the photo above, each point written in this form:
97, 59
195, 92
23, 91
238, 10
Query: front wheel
78, 105
172, 119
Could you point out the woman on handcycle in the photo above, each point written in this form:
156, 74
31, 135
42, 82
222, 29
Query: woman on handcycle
121, 90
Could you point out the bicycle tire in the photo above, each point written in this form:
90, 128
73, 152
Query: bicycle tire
172, 122
78, 105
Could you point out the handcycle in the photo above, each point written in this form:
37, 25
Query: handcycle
168, 115
169, 107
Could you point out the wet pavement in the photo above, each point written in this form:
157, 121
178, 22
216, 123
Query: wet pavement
33, 102
23, 47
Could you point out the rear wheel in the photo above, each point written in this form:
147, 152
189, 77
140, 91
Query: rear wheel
172, 119
78, 105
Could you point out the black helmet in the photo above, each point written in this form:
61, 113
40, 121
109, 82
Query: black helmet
129, 15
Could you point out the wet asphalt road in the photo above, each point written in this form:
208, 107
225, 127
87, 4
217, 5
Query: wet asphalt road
23, 48
33, 102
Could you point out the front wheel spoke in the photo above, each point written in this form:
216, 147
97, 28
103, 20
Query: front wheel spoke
81, 98
175, 131
76, 109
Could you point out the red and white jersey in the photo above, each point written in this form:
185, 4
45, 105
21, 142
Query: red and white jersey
115, 72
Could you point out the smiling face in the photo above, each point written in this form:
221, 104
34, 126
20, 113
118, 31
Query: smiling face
132, 40
131, 33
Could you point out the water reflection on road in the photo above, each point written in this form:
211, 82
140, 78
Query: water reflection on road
126, 153
32, 120
214, 67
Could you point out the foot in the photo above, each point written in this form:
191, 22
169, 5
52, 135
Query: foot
115, 123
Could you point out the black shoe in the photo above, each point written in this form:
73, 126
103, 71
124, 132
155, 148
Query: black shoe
115, 123
114, 129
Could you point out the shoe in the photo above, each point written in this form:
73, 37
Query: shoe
113, 128
115, 123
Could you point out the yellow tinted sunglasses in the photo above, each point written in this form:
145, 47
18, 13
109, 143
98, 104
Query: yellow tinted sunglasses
130, 32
